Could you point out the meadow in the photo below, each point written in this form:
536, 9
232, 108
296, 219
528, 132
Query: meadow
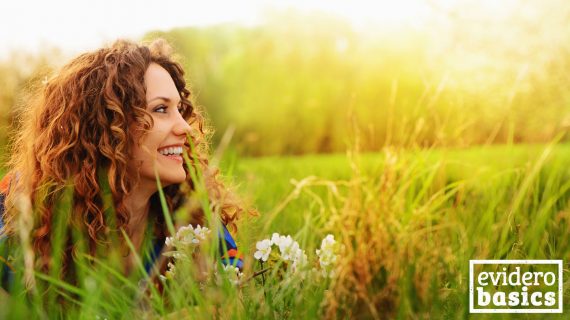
412, 220
409, 220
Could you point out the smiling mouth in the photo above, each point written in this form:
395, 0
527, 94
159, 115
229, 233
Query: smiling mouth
172, 153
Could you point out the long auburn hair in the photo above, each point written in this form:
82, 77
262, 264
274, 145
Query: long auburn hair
80, 126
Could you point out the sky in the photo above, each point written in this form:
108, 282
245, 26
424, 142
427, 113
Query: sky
77, 25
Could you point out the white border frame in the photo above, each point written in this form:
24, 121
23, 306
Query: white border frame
472, 309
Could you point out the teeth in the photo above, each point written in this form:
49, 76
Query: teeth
171, 150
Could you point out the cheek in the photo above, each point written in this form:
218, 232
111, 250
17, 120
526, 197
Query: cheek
155, 136
146, 148
144, 152
151, 142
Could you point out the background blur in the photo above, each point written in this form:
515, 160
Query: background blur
292, 78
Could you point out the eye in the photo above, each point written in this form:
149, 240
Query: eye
160, 108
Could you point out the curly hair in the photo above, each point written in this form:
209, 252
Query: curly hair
81, 126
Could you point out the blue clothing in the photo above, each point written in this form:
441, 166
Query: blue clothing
232, 256
6, 274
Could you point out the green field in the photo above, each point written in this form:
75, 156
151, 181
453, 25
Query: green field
428, 211
267, 181
409, 220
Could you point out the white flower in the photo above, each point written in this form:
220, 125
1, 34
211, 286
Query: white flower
328, 242
185, 241
299, 260
263, 250
328, 255
284, 243
276, 239
288, 248
201, 232
185, 236
188, 236
301, 257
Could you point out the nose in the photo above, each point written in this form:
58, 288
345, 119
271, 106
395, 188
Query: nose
181, 127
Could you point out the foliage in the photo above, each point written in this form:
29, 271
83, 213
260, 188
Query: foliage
295, 83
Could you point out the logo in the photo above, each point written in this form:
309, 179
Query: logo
515, 286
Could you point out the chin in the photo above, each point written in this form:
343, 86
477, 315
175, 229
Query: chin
168, 179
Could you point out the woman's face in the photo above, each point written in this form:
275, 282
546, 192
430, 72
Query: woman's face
164, 143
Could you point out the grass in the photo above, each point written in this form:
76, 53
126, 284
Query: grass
414, 222
266, 181
409, 222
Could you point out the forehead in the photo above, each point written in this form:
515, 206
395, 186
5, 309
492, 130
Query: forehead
158, 82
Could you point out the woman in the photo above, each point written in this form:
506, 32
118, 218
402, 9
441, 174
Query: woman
107, 123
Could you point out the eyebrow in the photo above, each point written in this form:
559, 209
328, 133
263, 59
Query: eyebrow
160, 98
